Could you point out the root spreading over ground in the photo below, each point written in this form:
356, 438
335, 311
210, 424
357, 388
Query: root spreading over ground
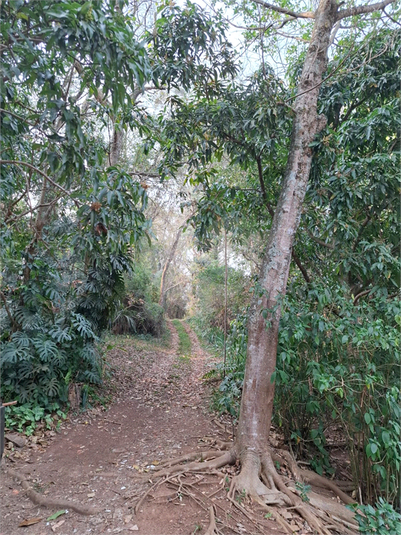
44, 501
260, 481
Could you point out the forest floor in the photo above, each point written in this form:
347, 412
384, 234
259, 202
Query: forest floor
106, 458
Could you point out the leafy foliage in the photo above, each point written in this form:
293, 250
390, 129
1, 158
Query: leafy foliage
382, 520
338, 359
24, 418
72, 72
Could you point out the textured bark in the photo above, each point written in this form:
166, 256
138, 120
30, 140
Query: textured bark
116, 146
258, 391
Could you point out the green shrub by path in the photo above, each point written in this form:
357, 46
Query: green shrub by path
138, 313
380, 520
184, 347
25, 418
338, 369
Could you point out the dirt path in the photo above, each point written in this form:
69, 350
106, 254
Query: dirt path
106, 459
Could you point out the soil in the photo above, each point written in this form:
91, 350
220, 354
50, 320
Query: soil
106, 458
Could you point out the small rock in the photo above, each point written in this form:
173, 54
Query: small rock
15, 439
134, 528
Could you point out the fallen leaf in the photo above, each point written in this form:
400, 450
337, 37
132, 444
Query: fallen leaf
29, 522
57, 525
56, 515
91, 495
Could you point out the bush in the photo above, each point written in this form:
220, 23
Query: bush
382, 520
332, 368
138, 314
48, 348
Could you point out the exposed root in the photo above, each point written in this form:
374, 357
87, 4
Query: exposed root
44, 501
212, 529
311, 477
202, 455
225, 458
260, 481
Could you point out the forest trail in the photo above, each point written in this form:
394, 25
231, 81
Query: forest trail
105, 458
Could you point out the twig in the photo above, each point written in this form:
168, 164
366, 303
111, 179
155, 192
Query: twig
9, 403
33, 168
111, 422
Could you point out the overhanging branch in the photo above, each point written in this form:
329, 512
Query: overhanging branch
360, 10
40, 172
284, 11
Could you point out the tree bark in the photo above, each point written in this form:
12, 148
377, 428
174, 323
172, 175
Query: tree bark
162, 300
258, 391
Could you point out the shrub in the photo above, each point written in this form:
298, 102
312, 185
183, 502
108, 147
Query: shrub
332, 368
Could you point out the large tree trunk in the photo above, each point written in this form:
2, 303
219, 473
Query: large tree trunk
258, 391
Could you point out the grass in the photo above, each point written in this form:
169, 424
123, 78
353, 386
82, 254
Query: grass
141, 341
184, 346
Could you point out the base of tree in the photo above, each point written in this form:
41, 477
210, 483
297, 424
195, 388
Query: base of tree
260, 481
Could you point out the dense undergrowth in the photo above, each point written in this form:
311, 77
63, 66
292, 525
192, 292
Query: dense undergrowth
334, 371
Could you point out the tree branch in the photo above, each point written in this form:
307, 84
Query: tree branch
300, 266
175, 285
360, 10
321, 242
262, 185
323, 79
33, 168
2, 110
284, 11
361, 294
13, 322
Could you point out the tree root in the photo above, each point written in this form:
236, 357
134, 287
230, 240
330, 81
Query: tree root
212, 529
260, 481
311, 477
44, 501
203, 455
220, 460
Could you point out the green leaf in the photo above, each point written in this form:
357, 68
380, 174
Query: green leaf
56, 515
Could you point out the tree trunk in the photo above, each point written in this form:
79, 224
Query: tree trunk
258, 390
162, 300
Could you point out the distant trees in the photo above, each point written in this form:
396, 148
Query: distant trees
73, 75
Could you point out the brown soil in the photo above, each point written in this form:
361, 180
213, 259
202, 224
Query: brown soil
105, 459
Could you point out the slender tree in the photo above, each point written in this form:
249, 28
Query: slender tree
258, 477
258, 391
